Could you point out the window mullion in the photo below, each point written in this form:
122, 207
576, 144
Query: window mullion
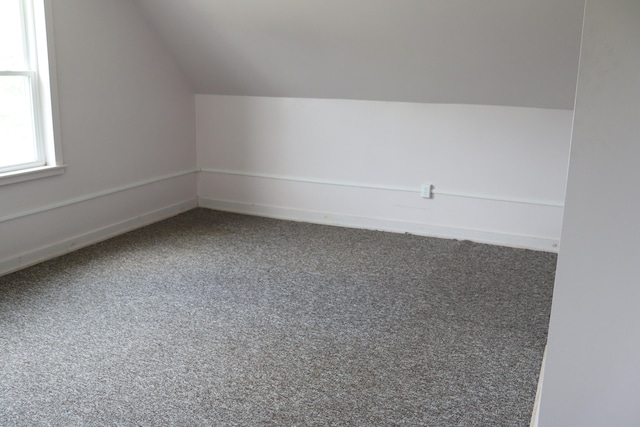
26, 73
29, 37
36, 117
28, 46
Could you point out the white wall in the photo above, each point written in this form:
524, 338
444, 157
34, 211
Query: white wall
592, 374
499, 52
324, 151
127, 125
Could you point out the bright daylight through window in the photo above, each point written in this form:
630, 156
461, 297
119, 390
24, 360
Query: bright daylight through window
26, 114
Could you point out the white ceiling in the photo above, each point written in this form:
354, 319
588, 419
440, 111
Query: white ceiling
494, 52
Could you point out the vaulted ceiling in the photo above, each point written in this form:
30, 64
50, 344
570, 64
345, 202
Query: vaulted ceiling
493, 52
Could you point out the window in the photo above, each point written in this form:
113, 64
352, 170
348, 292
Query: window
27, 97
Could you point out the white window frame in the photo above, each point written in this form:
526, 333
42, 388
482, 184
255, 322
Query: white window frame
39, 35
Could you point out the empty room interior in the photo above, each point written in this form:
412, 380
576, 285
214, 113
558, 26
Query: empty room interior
285, 212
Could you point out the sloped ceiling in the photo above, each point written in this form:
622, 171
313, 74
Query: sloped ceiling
493, 52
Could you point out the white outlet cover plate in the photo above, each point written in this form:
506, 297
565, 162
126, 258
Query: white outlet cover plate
425, 191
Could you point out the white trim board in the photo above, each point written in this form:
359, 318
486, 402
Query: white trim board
515, 241
94, 196
416, 190
536, 405
67, 245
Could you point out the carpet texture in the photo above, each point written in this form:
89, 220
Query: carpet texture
218, 319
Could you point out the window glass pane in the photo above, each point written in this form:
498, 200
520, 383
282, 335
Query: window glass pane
11, 37
17, 141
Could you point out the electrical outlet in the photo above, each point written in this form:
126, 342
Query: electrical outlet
425, 191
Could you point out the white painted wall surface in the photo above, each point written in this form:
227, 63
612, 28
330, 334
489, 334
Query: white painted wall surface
498, 52
317, 146
592, 373
127, 118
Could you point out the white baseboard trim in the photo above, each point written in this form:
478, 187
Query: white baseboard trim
500, 239
92, 196
94, 236
536, 405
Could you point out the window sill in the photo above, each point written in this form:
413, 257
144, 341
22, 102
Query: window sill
29, 174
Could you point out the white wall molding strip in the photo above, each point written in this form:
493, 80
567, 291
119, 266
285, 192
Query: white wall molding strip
494, 238
381, 187
94, 196
309, 180
536, 404
498, 198
67, 245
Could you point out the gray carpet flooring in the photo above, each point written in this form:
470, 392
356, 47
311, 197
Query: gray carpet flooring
217, 319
